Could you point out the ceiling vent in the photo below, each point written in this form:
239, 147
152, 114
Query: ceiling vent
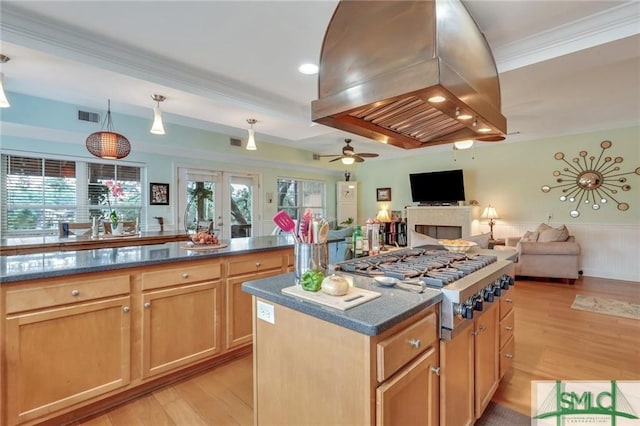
316, 156
92, 117
235, 142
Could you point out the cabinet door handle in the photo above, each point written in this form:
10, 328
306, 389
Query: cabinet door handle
125, 309
435, 370
258, 264
147, 305
415, 343
510, 356
185, 275
75, 293
508, 300
474, 333
508, 328
483, 328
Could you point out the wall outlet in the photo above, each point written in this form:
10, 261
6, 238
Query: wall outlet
265, 312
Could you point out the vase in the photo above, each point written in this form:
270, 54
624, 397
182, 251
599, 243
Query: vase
115, 228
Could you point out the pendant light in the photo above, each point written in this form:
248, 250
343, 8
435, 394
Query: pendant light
4, 102
157, 128
251, 143
108, 144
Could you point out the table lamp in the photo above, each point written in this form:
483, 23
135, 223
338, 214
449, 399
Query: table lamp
491, 214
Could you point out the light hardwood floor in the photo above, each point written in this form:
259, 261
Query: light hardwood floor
553, 342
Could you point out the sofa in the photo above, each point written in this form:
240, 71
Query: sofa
547, 253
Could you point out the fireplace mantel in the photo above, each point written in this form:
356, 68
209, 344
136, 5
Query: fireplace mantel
461, 216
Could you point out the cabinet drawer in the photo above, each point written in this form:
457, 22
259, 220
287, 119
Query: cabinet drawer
506, 328
399, 349
506, 356
255, 263
181, 274
57, 292
506, 302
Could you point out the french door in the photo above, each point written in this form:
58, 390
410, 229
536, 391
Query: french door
226, 200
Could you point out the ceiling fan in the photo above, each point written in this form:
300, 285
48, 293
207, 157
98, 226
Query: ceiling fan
349, 156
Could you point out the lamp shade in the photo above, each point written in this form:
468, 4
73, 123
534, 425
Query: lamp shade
158, 127
4, 102
108, 145
251, 143
490, 213
383, 215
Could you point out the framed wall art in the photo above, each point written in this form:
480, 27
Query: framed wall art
159, 194
383, 194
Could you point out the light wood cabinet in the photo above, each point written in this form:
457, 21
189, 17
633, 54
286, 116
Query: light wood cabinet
411, 396
486, 357
64, 353
239, 328
470, 369
180, 326
507, 330
181, 315
322, 365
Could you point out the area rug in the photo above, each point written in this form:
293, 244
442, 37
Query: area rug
499, 415
606, 306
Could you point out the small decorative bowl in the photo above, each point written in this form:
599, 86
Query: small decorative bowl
458, 246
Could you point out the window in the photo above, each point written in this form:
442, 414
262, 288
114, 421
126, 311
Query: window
37, 193
294, 196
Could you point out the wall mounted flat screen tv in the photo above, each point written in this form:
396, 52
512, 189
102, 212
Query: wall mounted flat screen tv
437, 188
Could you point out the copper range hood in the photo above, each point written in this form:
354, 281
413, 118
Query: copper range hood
408, 73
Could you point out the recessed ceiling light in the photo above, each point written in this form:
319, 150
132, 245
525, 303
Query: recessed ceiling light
436, 99
308, 69
484, 130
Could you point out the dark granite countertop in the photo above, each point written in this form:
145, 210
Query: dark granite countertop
370, 318
17, 268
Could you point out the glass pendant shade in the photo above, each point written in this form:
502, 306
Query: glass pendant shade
347, 160
251, 143
108, 144
157, 128
4, 102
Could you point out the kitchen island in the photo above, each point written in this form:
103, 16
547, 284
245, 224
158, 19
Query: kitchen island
84, 330
379, 362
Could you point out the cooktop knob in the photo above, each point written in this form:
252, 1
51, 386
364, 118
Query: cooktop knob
488, 295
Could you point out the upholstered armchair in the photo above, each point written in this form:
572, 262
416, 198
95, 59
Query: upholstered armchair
547, 253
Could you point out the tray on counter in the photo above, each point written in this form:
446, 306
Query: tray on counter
356, 296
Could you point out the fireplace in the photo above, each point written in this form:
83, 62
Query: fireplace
442, 222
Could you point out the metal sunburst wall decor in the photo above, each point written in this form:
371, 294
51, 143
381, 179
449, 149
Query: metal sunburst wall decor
591, 182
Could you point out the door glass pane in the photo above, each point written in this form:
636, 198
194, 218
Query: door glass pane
201, 208
241, 191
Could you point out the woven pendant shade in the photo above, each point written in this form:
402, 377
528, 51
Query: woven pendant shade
108, 144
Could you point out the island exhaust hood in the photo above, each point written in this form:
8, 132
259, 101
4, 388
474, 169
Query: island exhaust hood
408, 73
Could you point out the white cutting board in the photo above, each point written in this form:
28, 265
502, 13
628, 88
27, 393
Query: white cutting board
354, 297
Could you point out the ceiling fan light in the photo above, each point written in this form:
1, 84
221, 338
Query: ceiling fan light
348, 160
463, 144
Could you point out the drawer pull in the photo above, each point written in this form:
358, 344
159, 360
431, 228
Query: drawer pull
508, 328
125, 309
147, 305
415, 343
474, 333
185, 275
258, 264
508, 300
483, 328
435, 370
75, 293
508, 356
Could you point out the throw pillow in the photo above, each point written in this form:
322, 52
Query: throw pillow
417, 239
530, 237
482, 240
554, 234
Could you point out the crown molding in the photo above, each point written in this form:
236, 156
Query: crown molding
600, 28
79, 45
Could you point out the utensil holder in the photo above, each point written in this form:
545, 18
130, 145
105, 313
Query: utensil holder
310, 256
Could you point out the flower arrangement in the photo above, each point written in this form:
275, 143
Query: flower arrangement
116, 191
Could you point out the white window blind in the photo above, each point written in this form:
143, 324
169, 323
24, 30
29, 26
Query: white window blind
38, 193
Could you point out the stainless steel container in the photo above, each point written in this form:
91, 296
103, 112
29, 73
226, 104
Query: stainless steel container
310, 256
